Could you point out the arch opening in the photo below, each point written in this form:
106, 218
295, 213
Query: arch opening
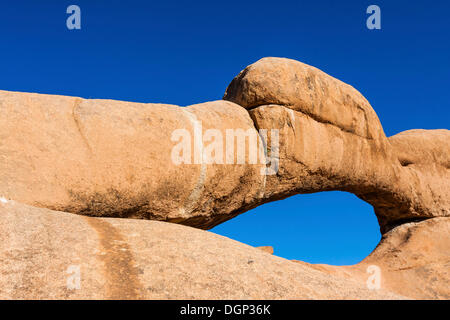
332, 227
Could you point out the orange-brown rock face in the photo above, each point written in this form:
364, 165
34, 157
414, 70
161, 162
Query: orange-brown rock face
115, 159
412, 260
267, 249
283, 128
331, 139
46, 254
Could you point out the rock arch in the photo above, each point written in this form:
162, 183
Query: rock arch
332, 139
110, 158
113, 159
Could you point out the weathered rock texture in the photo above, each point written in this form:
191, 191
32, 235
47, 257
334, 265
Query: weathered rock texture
132, 259
331, 139
107, 158
267, 249
414, 260
113, 159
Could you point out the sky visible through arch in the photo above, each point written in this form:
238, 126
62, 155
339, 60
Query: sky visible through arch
186, 52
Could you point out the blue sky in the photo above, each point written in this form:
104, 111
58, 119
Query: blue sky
185, 52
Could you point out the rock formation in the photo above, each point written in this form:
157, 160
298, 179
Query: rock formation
114, 159
105, 158
413, 259
267, 249
133, 259
331, 139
